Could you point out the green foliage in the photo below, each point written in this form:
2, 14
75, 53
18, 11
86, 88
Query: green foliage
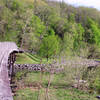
92, 32
50, 45
73, 39
28, 24
26, 58
97, 84
59, 89
71, 18
78, 36
68, 44
26, 94
38, 25
96, 32
15, 5
33, 33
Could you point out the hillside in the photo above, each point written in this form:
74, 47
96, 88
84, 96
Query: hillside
74, 31
60, 36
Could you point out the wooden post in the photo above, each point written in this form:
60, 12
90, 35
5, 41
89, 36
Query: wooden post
11, 61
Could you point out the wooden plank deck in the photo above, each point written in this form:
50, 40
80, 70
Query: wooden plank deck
5, 49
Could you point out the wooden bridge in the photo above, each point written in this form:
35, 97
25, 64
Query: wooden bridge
7, 59
8, 52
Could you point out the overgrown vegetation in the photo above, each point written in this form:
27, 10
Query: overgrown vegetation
64, 86
26, 58
49, 28
50, 31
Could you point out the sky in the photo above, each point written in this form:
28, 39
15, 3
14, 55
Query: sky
87, 3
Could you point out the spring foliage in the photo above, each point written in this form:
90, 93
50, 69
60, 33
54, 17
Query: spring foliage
49, 28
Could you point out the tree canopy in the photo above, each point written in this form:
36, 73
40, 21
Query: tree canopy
49, 27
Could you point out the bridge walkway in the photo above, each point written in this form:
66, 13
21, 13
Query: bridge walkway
7, 51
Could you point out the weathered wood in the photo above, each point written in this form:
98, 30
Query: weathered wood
6, 48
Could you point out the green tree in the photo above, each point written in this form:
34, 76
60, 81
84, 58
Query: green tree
96, 32
33, 32
78, 36
93, 33
50, 45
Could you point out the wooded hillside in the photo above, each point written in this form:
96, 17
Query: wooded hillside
49, 28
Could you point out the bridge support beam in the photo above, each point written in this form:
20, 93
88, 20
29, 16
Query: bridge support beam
11, 61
